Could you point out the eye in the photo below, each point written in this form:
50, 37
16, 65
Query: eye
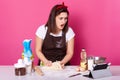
60, 18
66, 18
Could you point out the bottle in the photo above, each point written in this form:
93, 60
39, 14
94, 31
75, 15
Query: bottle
27, 55
83, 54
83, 62
90, 63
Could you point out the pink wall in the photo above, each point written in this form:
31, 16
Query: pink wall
95, 22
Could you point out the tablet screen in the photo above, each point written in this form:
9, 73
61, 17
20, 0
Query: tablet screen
100, 66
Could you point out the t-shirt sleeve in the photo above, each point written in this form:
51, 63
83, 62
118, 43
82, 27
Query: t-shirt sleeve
41, 32
70, 34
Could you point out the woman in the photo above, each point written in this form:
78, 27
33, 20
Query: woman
55, 40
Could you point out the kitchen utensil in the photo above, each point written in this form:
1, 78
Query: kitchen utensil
98, 59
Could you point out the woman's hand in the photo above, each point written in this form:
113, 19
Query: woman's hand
62, 65
48, 63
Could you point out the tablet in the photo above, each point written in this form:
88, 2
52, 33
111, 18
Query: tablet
100, 66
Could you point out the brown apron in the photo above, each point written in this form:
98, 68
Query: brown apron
54, 48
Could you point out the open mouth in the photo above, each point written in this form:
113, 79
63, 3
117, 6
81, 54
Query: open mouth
62, 25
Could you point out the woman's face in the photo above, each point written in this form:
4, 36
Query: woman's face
61, 20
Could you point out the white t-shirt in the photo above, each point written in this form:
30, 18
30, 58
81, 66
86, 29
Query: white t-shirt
42, 30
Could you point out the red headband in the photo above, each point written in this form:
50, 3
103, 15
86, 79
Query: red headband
62, 6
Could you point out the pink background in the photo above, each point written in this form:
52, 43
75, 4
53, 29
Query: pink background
95, 22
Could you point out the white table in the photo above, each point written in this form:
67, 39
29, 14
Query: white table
7, 73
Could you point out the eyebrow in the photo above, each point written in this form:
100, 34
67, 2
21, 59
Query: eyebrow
63, 17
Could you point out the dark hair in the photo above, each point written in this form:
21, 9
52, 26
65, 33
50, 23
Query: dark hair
56, 10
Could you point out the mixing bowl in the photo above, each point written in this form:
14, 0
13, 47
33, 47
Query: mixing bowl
98, 59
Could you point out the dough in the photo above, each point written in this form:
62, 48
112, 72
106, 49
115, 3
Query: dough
55, 66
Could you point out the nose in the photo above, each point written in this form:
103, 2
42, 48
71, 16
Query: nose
64, 21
